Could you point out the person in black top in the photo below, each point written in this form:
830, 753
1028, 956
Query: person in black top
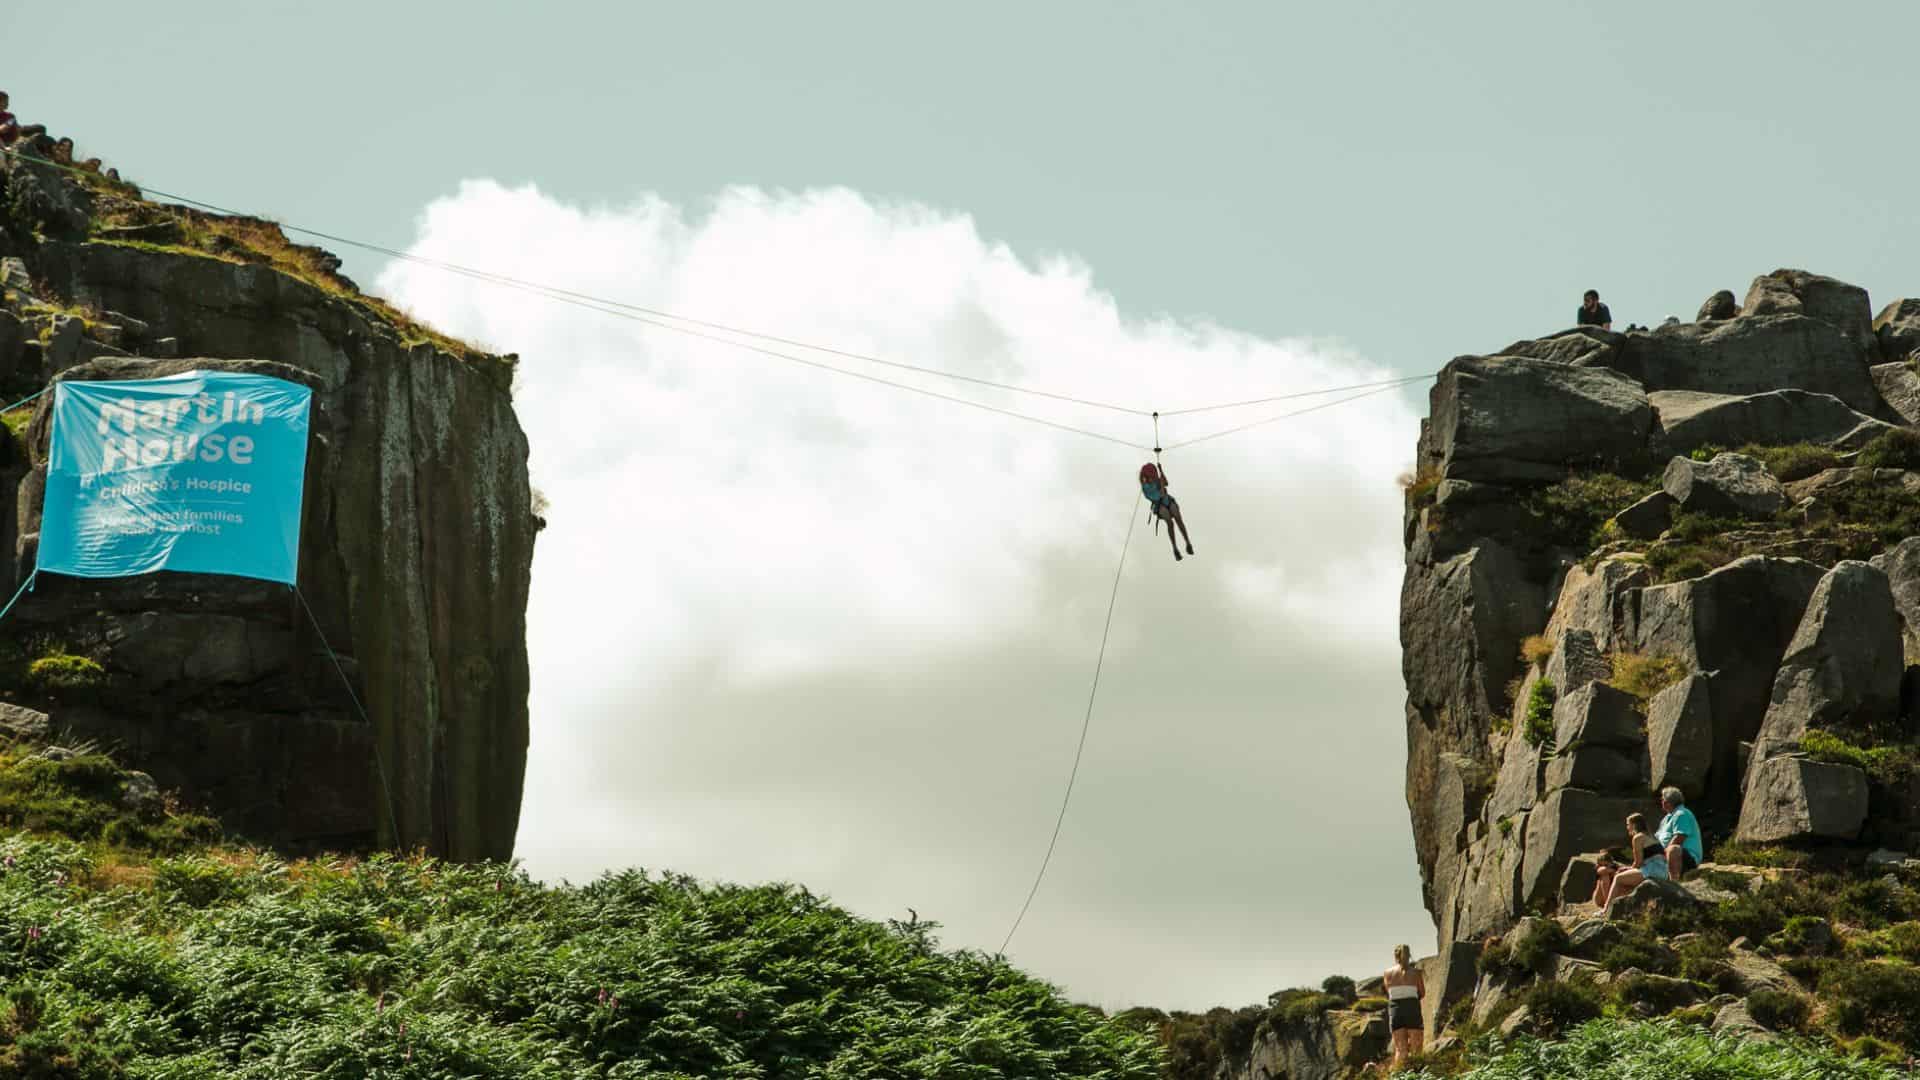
1593, 312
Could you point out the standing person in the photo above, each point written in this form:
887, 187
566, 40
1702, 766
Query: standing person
1649, 861
1153, 485
1404, 988
1593, 313
1679, 833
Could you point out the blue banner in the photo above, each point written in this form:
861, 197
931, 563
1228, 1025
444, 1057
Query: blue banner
202, 471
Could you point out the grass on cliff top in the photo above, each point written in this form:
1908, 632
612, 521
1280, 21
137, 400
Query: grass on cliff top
1658, 1050
253, 240
117, 961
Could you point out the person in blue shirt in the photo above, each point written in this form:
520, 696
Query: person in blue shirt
1153, 485
1679, 832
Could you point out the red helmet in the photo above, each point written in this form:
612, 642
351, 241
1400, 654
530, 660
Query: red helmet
1150, 471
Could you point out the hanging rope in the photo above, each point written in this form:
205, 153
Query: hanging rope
18, 593
1085, 722
373, 734
27, 399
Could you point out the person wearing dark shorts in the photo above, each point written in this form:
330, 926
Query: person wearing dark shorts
1404, 989
1593, 313
1680, 832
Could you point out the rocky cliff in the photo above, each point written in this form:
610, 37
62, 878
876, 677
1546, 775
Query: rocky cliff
1687, 556
416, 543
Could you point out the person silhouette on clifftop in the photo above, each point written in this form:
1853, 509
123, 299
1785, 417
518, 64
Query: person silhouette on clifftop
1153, 485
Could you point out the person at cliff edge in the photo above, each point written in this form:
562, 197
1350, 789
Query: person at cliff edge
1153, 484
1404, 991
10, 129
1679, 832
1592, 312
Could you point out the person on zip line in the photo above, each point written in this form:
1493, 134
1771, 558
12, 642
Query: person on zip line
1153, 485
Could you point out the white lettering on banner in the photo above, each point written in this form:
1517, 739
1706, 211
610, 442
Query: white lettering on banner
130, 416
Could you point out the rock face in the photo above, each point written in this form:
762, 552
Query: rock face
416, 549
1720, 305
1730, 485
1745, 653
1838, 671
1335, 1046
1688, 418
1791, 798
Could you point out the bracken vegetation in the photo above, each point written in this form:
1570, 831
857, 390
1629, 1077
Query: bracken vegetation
1670, 1049
120, 959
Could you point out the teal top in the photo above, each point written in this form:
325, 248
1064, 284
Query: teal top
1682, 820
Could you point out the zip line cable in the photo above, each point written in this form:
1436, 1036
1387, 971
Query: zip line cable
605, 305
1282, 416
1085, 722
503, 279
373, 739
1400, 381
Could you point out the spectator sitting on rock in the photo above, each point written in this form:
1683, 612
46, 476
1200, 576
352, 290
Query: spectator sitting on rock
1679, 833
10, 128
1604, 868
1593, 312
1649, 863
63, 152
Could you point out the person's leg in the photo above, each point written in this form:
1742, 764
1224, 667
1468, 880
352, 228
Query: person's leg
1416, 1038
1181, 520
1676, 860
1172, 542
1602, 879
1624, 882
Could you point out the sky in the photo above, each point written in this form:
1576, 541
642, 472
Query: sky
788, 625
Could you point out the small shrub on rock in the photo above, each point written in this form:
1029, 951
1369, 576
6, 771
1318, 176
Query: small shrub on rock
1868, 1048
1572, 512
1781, 1010
64, 671
1644, 675
1339, 986
1895, 449
1880, 998
1554, 1005
1653, 995
1875, 902
1642, 949
1697, 1015
1536, 649
1795, 462
1294, 1009
1734, 854
1539, 730
1803, 934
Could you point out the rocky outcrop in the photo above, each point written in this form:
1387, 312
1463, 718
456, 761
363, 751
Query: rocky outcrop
1730, 485
1792, 798
1336, 1045
1720, 305
1797, 292
1897, 329
416, 549
1749, 651
1512, 418
1842, 670
1689, 418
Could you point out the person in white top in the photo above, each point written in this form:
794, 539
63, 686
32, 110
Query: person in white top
1404, 991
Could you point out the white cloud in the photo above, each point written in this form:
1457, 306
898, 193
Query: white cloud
787, 624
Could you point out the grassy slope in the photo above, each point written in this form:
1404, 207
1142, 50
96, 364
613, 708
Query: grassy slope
118, 960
